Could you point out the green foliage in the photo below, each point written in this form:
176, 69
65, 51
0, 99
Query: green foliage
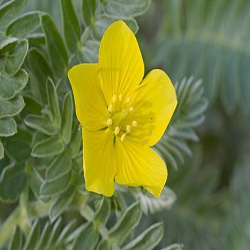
209, 40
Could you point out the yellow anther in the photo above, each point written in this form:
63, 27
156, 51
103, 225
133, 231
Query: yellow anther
114, 99
128, 100
131, 109
117, 130
110, 108
134, 123
120, 97
123, 137
128, 128
109, 122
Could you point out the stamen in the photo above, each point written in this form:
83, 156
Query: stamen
134, 123
117, 130
109, 122
131, 109
128, 100
128, 128
120, 97
114, 99
110, 108
123, 137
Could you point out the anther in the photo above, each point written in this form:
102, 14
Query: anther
128, 100
134, 123
109, 122
110, 108
120, 97
128, 128
114, 99
131, 109
117, 130
123, 137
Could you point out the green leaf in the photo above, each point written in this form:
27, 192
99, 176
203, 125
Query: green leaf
16, 240
104, 21
51, 146
19, 145
126, 223
41, 124
148, 240
56, 186
11, 107
76, 140
7, 127
10, 10
88, 12
61, 203
90, 51
16, 57
53, 103
12, 182
60, 166
24, 24
1, 150
53, 235
127, 8
103, 245
44, 237
36, 39
57, 51
103, 211
87, 238
71, 26
174, 247
8, 44
11, 85
67, 117
36, 181
33, 236
39, 73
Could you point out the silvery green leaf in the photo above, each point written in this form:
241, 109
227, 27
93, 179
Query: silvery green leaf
174, 247
16, 240
127, 8
10, 10
89, 51
36, 181
87, 238
11, 107
24, 25
51, 146
71, 26
39, 73
7, 127
12, 182
15, 58
56, 186
53, 103
104, 21
67, 117
148, 240
57, 51
33, 236
61, 203
126, 223
11, 85
88, 12
103, 211
1, 150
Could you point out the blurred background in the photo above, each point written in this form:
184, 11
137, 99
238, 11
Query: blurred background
204, 42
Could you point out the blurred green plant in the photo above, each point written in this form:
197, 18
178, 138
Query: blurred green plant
41, 173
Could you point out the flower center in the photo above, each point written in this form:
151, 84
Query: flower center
119, 110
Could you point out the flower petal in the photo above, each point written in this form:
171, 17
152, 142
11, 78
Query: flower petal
154, 102
99, 161
120, 61
91, 108
139, 165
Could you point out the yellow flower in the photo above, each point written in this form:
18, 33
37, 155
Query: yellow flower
122, 115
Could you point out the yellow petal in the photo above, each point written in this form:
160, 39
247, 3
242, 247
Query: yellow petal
99, 161
139, 165
91, 108
154, 103
120, 61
